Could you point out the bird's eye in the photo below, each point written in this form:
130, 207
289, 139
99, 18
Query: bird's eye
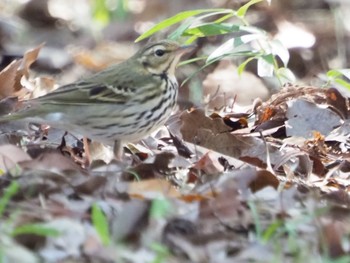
159, 52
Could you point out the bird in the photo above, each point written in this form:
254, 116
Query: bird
122, 103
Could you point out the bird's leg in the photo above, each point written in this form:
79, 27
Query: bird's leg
118, 150
87, 151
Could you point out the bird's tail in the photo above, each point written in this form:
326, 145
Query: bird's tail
11, 109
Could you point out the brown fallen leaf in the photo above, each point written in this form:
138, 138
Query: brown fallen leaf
338, 197
214, 134
197, 119
8, 79
91, 186
338, 102
148, 189
263, 179
29, 58
51, 161
11, 156
209, 165
333, 239
159, 168
225, 204
304, 118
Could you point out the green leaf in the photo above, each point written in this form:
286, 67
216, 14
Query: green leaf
178, 18
180, 30
100, 12
228, 13
8, 193
343, 83
196, 20
190, 40
333, 74
224, 18
100, 223
266, 65
242, 66
285, 75
225, 48
279, 50
336, 73
269, 58
230, 45
243, 9
36, 229
211, 29
253, 30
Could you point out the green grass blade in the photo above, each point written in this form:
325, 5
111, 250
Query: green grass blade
8, 193
36, 229
100, 223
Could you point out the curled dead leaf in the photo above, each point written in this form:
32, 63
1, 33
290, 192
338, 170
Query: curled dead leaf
29, 58
8, 79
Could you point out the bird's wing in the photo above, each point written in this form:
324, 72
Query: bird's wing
89, 93
109, 87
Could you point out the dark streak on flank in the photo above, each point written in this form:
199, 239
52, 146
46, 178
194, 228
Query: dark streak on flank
96, 90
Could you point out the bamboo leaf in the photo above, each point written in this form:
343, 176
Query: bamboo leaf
243, 9
285, 75
230, 45
279, 50
343, 83
243, 65
266, 66
178, 18
211, 29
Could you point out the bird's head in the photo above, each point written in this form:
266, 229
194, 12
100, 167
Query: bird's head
161, 57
